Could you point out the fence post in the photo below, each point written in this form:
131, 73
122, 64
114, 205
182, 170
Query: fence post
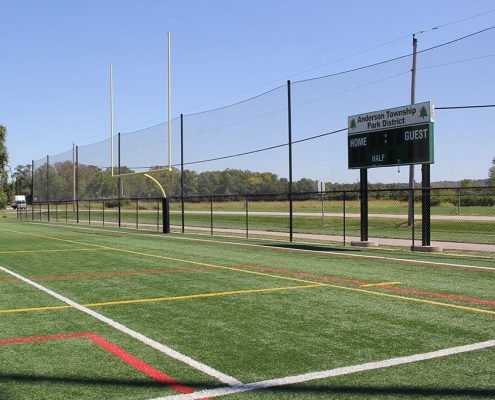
247, 216
211, 215
344, 216
411, 196
158, 215
137, 214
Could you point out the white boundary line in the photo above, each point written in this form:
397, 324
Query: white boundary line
422, 262
290, 380
136, 335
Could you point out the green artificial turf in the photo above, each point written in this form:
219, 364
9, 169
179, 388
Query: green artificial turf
242, 307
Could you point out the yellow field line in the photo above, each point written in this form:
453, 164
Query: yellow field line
47, 251
447, 305
394, 296
153, 300
381, 284
162, 257
17, 310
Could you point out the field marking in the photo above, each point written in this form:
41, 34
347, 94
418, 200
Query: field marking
175, 298
126, 357
436, 303
278, 248
31, 309
48, 251
395, 296
380, 284
136, 335
105, 274
392, 288
156, 256
312, 376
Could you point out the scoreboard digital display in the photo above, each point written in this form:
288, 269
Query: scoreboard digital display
401, 146
391, 137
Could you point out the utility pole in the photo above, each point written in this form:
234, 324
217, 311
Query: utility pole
411, 167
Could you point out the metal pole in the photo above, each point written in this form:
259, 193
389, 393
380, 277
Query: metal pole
119, 184
413, 100
182, 169
165, 215
425, 200
169, 111
89, 212
211, 215
344, 217
247, 216
77, 184
47, 191
289, 116
32, 190
111, 120
363, 182
322, 207
137, 214
73, 175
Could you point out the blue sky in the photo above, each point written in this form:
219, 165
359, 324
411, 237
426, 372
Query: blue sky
55, 58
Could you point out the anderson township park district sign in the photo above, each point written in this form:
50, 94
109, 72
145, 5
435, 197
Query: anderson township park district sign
397, 136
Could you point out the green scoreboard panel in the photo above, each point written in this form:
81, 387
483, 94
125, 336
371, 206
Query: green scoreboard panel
391, 147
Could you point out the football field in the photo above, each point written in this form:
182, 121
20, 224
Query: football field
93, 312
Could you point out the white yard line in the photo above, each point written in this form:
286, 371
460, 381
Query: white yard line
290, 380
136, 335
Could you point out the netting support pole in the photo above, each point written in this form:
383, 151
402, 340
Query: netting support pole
182, 170
32, 189
77, 184
165, 215
289, 116
48, 185
119, 181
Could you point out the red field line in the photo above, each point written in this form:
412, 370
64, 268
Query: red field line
129, 359
392, 288
115, 273
443, 296
301, 274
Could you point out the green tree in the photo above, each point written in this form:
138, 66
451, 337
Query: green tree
4, 159
491, 173
21, 183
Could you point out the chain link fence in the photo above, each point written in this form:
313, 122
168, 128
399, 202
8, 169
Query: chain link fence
462, 219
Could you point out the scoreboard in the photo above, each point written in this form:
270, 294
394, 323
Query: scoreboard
400, 136
400, 146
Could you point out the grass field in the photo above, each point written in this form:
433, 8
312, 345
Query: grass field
90, 312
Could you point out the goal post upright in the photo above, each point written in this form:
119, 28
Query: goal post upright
111, 122
169, 107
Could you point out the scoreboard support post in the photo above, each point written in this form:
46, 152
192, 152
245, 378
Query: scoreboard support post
363, 193
425, 204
